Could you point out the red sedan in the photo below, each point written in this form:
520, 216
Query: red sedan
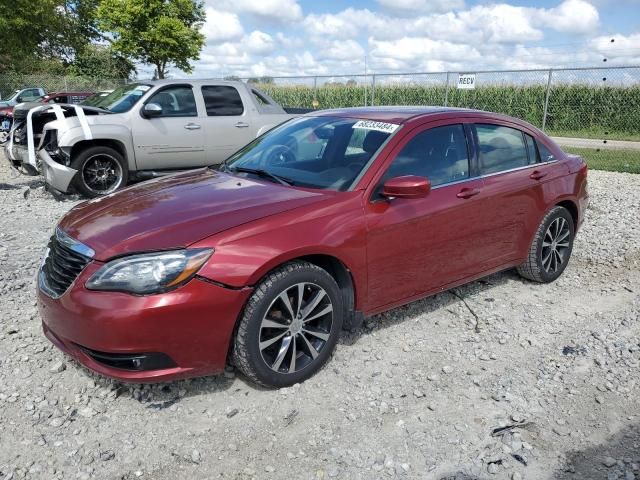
322, 221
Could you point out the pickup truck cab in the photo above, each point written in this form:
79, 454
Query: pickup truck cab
143, 130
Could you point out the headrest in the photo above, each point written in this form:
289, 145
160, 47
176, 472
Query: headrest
373, 140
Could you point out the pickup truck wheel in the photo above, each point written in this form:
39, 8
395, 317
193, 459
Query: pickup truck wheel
101, 171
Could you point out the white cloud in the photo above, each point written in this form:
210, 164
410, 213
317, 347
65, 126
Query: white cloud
413, 6
221, 26
276, 11
259, 43
571, 16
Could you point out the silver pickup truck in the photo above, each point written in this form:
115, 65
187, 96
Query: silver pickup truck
138, 131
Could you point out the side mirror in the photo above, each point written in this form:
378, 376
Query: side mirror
151, 110
408, 186
20, 99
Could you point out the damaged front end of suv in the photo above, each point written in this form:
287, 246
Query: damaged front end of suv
42, 137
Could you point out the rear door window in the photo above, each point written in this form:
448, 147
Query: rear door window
222, 101
532, 150
501, 148
545, 153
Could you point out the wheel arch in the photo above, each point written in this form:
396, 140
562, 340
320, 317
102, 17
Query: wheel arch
117, 145
572, 207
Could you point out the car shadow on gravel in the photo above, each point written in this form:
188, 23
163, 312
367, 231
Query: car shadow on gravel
444, 302
615, 458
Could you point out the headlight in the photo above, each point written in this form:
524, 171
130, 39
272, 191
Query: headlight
150, 272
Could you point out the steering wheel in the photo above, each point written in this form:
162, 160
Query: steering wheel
278, 155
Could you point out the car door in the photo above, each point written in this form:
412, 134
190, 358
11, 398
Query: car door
228, 123
416, 246
514, 182
174, 139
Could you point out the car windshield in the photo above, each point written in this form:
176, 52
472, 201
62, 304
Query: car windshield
316, 152
122, 99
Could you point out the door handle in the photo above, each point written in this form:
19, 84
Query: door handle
537, 175
241, 125
468, 192
192, 126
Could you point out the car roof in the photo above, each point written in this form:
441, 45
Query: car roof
406, 114
398, 114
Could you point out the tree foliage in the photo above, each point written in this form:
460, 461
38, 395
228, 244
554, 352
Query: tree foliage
44, 31
156, 32
101, 62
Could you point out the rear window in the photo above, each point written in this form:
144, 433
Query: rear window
501, 148
222, 101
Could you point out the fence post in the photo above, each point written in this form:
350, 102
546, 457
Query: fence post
373, 89
446, 91
546, 100
315, 90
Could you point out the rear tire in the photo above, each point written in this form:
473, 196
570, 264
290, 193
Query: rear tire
551, 248
290, 326
101, 171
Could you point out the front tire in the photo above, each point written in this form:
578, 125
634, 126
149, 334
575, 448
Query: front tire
290, 325
551, 248
101, 171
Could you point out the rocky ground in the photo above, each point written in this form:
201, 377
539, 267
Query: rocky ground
501, 379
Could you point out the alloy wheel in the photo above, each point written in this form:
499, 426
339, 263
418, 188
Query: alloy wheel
296, 327
102, 174
555, 245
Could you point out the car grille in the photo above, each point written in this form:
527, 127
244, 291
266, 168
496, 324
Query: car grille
60, 268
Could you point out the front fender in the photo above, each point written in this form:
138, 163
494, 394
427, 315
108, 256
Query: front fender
245, 254
109, 132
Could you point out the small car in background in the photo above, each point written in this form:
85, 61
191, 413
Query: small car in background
314, 225
20, 96
65, 97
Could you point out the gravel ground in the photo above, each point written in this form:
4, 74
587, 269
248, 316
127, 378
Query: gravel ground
418, 392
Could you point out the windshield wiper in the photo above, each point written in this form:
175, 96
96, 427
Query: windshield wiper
261, 173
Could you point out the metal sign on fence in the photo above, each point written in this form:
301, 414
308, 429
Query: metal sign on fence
467, 81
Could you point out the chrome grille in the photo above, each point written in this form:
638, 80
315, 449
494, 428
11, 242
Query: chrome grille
62, 264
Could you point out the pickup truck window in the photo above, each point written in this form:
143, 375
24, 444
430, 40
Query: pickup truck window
176, 101
222, 101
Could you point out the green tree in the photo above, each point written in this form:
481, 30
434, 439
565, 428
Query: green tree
44, 32
101, 62
155, 32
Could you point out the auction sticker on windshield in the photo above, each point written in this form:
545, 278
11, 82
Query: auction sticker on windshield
379, 126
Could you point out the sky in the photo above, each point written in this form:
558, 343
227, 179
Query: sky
250, 38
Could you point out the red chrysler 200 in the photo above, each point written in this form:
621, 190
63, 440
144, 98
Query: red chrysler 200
329, 218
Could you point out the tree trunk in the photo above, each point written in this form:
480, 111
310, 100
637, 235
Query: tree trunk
160, 70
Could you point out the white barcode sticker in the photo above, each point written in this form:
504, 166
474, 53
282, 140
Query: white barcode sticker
373, 125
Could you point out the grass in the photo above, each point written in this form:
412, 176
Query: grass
626, 161
597, 133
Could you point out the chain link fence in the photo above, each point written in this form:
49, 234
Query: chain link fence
11, 82
593, 112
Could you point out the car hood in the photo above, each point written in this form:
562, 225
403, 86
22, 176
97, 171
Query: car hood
176, 211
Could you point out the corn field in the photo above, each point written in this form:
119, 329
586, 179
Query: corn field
574, 109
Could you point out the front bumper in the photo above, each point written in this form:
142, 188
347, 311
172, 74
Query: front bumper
187, 331
55, 174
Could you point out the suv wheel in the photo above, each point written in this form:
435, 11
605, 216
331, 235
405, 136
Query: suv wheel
551, 247
101, 171
290, 325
